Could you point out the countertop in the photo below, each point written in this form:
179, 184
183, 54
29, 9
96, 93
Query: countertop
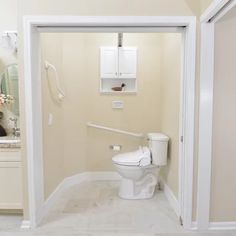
10, 142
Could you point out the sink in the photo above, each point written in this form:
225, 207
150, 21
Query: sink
9, 140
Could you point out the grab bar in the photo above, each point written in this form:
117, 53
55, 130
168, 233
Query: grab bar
138, 135
61, 93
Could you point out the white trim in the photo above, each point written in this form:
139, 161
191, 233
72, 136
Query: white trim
194, 225
181, 147
222, 225
34, 147
174, 203
33, 93
213, 10
112, 30
216, 10
25, 224
205, 126
107, 21
228, 6
188, 109
217, 225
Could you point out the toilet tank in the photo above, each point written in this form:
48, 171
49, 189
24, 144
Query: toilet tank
158, 144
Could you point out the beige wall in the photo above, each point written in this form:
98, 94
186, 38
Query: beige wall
8, 56
69, 146
106, 7
8, 21
53, 141
93, 7
170, 104
223, 191
204, 4
87, 149
141, 112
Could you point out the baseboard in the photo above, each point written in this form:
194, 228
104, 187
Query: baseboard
222, 225
71, 181
194, 225
54, 196
25, 224
174, 203
217, 226
106, 175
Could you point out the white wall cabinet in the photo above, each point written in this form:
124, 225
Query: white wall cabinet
127, 63
10, 179
118, 65
109, 62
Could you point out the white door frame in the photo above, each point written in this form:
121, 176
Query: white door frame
33, 25
215, 12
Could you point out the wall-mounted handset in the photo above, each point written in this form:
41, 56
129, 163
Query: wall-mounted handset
11, 37
61, 93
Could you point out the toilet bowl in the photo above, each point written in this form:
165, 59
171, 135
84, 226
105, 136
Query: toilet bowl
137, 182
140, 169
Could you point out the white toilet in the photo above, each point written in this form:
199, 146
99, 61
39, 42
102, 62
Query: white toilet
140, 169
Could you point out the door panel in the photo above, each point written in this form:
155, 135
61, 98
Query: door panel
127, 62
109, 67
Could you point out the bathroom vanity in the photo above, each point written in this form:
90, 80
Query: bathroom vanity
10, 174
10, 151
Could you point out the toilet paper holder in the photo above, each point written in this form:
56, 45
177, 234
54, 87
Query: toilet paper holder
116, 148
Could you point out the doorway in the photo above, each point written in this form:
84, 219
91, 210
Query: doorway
35, 25
217, 77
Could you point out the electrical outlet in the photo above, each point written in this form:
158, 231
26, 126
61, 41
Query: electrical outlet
117, 104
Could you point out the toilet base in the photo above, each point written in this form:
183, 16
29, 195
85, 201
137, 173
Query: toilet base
141, 189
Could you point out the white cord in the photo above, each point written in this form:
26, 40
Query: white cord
61, 93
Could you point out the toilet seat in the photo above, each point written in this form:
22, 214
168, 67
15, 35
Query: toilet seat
141, 157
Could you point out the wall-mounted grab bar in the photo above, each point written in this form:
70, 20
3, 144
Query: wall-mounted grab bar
138, 135
61, 93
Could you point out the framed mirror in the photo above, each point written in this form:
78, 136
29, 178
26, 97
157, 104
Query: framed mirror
9, 88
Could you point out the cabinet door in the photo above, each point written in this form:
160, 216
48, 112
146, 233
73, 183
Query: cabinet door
10, 185
127, 62
109, 60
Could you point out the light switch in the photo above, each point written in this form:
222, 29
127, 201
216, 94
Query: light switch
117, 104
50, 119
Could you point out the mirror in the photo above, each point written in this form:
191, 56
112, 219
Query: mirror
9, 88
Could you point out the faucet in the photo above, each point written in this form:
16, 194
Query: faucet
15, 130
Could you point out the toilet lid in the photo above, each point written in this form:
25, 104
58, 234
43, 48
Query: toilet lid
141, 157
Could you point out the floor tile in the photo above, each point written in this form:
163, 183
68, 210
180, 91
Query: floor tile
94, 209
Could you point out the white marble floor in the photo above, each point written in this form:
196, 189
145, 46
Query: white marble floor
94, 209
10, 221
